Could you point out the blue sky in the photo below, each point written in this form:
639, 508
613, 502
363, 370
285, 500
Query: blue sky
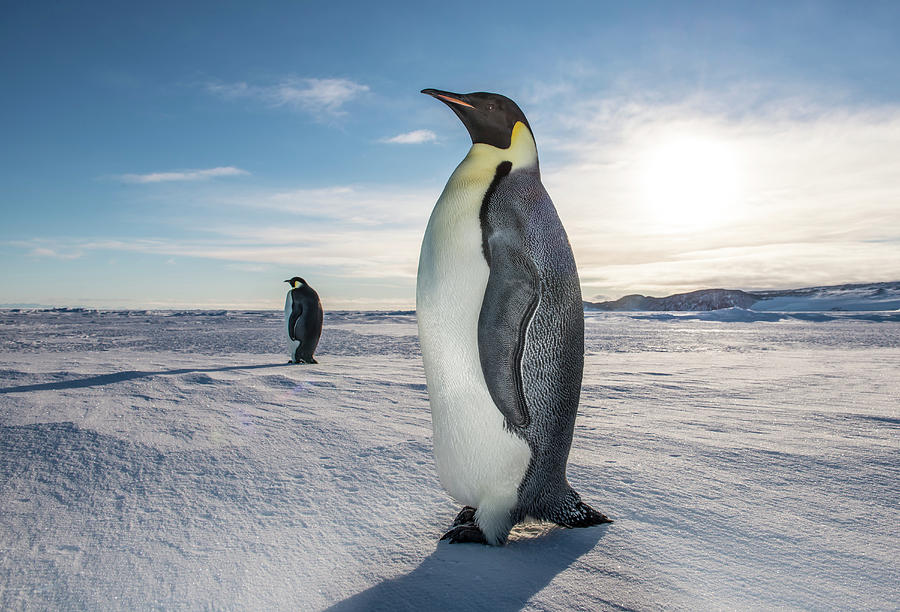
197, 154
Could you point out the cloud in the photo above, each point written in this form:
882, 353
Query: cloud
183, 175
816, 203
351, 232
814, 199
54, 254
246, 267
316, 96
360, 206
351, 254
414, 137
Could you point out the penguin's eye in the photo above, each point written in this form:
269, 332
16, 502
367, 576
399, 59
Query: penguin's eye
490, 106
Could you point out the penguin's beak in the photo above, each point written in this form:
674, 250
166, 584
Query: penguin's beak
287, 281
448, 97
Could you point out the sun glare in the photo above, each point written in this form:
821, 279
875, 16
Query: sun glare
690, 183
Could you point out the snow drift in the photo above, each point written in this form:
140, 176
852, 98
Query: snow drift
172, 460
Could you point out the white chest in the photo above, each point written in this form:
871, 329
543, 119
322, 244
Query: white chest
477, 459
291, 344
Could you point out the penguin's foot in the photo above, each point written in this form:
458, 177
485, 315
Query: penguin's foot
465, 516
582, 515
465, 534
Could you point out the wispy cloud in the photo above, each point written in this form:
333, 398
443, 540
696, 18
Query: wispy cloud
183, 175
316, 96
816, 204
245, 267
370, 206
349, 254
54, 253
414, 137
815, 196
362, 232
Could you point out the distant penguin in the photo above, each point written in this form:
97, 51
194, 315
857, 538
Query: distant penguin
501, 328
303, 321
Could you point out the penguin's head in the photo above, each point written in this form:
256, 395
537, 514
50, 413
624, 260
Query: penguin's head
489, 117
296, 282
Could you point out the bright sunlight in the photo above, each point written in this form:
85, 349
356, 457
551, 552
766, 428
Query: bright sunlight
690, 183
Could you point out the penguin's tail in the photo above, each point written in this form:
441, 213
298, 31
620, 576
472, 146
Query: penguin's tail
576, 513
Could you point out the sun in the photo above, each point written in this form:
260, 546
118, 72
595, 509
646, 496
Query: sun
690, 182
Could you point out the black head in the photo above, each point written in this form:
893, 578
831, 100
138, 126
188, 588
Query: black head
293, 281
489, 117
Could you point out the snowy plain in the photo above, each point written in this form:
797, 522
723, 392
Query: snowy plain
173, 460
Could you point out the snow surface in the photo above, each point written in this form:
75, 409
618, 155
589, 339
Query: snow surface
859, 297
870, 296
172, 460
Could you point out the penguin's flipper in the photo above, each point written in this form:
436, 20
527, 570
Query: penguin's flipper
296, 311
510, 299
297, 327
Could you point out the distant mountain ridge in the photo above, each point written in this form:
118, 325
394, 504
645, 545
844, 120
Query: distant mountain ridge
858, 297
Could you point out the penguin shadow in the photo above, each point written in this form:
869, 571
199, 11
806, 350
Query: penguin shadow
478, 577
115, 377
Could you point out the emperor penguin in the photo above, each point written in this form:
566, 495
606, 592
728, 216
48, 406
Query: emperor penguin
303, 320
501, 328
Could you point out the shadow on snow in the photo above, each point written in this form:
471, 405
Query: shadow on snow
115, 377
477, 577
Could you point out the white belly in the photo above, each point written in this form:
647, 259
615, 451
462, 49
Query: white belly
479, 462
291, 344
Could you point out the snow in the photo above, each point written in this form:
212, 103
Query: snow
745, 315
869, 297
873, 297
173, 460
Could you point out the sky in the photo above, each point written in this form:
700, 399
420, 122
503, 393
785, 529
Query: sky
195, 155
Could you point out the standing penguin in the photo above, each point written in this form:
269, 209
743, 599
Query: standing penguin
303, 320
501, 326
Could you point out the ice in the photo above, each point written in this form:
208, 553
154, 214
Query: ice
873, 297
865, 297
744, 315
173, 460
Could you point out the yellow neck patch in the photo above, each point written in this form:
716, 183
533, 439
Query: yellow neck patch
522, 151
